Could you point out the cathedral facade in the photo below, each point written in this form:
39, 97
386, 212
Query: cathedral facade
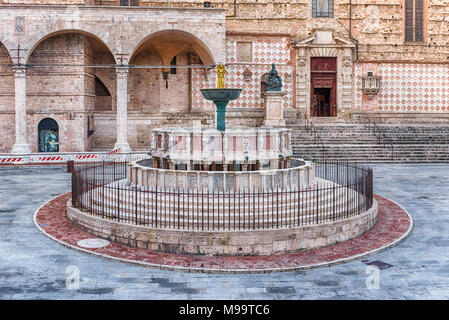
83, 75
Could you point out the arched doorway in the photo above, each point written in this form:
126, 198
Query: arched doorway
48, 135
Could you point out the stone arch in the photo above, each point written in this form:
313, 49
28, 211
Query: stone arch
4, 50
168, 43
263, 85
41, 39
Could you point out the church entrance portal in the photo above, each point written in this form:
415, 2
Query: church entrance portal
323, 87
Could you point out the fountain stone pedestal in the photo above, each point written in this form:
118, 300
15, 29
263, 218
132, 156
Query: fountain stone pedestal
274, 110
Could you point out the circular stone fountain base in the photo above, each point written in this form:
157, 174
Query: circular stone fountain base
226, 242
393, 226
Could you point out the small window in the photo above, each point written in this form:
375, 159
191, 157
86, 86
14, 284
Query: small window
323, 8
126, 3
414, 20
244, 52
173, 63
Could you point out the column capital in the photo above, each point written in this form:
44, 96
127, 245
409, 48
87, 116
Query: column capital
122, 71
19, 70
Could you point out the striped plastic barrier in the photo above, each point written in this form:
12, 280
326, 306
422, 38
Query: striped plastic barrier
36, 159
86, 157
51, 159
114, 151
12, 160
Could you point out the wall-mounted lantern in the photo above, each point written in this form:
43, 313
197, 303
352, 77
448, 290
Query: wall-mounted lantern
371, 85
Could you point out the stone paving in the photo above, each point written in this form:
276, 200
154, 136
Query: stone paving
32, 266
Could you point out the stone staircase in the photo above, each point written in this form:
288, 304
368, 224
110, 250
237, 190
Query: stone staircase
358, 142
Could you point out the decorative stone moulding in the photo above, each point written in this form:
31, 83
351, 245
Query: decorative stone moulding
300, 177
264, 148
371, 86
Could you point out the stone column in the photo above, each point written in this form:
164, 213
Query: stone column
122, 109
21, 144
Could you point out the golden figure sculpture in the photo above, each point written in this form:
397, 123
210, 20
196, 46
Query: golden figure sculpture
220, 70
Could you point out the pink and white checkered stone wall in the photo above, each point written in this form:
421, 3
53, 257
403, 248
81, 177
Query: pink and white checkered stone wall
264, 52
405, 87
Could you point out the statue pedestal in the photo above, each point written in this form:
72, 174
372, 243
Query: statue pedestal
274, 110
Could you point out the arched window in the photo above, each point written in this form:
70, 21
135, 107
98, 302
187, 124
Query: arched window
48, 135
103, 99
100, 88
263, 85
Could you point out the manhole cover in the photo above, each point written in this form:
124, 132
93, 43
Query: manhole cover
93, 243
380, 264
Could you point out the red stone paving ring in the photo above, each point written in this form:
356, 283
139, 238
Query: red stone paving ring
393, 226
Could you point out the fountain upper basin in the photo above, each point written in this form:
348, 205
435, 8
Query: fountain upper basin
221, 95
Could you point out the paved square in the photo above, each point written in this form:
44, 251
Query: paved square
33, 266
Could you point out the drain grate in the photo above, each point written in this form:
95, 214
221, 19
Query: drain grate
380, 264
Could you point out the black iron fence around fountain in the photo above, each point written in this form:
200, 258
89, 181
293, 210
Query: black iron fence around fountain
343, 190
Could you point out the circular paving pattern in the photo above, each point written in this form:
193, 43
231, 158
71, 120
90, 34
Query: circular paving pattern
393, 226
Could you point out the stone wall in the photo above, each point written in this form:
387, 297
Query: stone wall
279, 32
244, 242
377, 25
